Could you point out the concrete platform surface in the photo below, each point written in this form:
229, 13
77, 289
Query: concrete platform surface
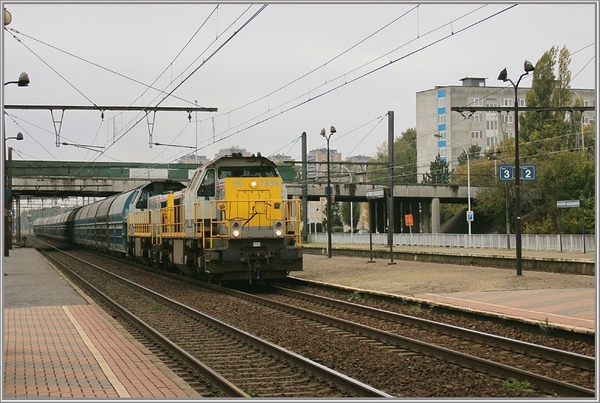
60, 344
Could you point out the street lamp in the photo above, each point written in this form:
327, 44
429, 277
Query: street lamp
528, 67
328, 192
23, 81
7, 17
8, 199
469, 212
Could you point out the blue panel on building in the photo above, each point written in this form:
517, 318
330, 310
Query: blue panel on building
441, 93
442, 143
442, 126
443, 158
442, 111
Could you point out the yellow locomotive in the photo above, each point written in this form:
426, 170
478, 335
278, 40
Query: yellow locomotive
233, 222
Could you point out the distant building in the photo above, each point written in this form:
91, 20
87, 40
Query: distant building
358, 166
228, 151
485, 128
279, 158
193, 159
316, 162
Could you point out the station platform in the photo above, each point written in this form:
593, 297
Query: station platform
59, 344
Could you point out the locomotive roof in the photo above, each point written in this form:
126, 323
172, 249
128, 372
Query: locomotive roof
239, 159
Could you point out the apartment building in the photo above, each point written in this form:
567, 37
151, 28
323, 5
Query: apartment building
448, 133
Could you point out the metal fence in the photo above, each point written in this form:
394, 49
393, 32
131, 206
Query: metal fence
551, 242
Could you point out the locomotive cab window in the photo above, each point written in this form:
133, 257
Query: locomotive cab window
207, 187
240, 172
142, 202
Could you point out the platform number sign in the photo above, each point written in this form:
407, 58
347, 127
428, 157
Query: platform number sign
528, 172
506, 172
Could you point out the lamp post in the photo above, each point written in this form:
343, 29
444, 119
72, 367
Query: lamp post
469, 212
8, 199
328, 192
23, 81
528, 67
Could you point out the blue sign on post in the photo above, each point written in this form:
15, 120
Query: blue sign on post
470, 216
528, 172
506, 172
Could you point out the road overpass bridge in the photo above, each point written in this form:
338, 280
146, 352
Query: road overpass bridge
56, 179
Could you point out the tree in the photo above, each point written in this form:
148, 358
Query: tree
440, 172
405, 159
336, 217
547, 141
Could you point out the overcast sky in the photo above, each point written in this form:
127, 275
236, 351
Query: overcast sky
289, 68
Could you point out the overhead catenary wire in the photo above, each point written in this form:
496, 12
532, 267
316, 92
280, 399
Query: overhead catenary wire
255, 121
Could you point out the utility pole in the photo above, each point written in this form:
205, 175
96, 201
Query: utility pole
391, 185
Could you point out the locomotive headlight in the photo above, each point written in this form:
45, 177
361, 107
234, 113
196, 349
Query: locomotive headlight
253, 184
236, 229
278, 229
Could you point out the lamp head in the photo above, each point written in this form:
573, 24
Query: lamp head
7, 17
528, 66
20, 136
323, 132
503, 75
332, 130
23, 80
439, 136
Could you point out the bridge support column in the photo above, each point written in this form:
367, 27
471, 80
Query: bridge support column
435, 215
426, 216
398, 217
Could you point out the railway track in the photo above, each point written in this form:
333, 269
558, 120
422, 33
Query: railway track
358, 327
572, 368
228, 362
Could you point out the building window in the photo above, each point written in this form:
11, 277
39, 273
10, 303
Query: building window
522, 103
442, 134
476, 134
509, 134
586, 102
477, 101
491, 125
491, 141
507, 102
508, 118
442, 152
441, 119
476, 118
441, 102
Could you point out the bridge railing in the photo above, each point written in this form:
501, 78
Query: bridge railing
541, 242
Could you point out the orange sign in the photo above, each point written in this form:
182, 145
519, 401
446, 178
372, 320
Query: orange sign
408, 218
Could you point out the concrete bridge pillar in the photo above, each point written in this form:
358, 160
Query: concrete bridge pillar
435, 215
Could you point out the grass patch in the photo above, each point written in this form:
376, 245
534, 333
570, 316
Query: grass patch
355, 296
513, 383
